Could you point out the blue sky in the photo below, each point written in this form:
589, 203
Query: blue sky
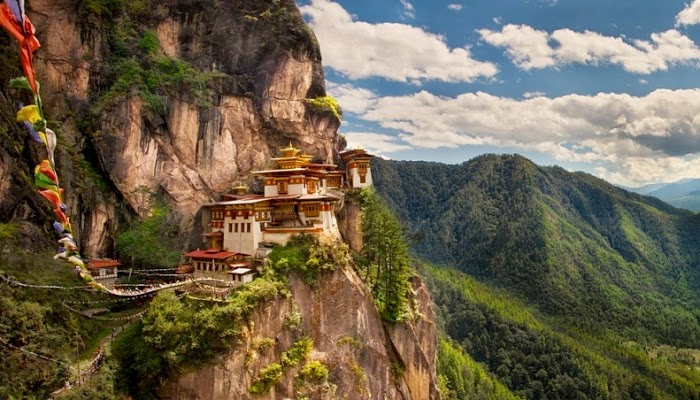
607, 87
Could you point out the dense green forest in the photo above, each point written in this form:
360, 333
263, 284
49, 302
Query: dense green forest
611, 276
580, 248
542, 357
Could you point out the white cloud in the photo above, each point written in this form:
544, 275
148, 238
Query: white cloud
619, 132
376, 143
351, 99
408, 10
497, 20
635, 171
527, 47
454, 7
531, 95
690, 14
530, 48
643, 81
393, 51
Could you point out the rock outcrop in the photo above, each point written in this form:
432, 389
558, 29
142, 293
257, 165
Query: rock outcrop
265, 60
365, 358
350, 221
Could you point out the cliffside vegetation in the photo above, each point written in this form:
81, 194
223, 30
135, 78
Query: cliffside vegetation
327, 105
611, 277
134, 64
184, 333
154, 241
175, 334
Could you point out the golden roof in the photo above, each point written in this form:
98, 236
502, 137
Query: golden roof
240, 188
290, 151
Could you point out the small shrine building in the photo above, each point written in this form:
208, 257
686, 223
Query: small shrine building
104, 270
358, 171
213, 261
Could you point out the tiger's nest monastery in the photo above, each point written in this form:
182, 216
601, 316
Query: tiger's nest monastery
299, 198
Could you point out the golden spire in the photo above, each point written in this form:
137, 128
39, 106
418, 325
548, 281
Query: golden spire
289, 151
240, 189
306, 158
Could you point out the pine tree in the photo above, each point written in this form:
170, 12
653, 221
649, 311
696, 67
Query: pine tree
384, 258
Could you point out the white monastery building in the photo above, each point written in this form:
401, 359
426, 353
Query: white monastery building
299, 198
359, 174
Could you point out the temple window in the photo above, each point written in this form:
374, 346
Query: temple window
311, 210
282, 187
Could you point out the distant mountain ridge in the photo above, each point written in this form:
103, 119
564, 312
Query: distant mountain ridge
684, 193
574, 244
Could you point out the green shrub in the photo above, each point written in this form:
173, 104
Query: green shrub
8, 232
307, 256
293, 318
326, 105
149, 42
95, 177
313, 371
350, 341
299, 351
360, 376
262, 344
266, 379
397, 370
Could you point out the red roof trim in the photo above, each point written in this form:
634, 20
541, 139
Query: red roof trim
211, 255
103, 263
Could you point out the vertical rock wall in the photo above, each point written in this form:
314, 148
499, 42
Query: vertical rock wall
364, 358
267, 62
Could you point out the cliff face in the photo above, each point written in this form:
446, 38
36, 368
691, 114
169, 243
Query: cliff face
350, 222
265, 60
115, 149
366, 360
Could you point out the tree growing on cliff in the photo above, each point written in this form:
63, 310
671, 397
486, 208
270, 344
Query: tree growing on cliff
153, 241
383, 261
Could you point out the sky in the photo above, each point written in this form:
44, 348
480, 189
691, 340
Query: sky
610, 87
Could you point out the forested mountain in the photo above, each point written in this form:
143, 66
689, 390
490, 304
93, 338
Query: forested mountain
581, 249
570, 288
